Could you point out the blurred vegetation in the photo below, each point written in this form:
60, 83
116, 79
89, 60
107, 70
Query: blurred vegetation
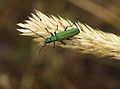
58, 68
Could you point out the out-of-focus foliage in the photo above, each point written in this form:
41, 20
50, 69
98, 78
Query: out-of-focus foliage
21, 66
1, 3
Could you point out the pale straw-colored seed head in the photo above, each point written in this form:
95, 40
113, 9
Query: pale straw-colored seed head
91, 40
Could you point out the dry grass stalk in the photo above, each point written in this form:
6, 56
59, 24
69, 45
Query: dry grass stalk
91, 40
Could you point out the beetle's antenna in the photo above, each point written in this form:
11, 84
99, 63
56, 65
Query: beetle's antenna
39, 36
37, 33
42, 48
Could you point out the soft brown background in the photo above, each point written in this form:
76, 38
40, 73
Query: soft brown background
58, 68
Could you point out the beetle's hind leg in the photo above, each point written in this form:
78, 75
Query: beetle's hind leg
70, 25
73, 38
64, 43
54, 44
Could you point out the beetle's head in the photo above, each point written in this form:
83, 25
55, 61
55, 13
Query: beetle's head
48, 40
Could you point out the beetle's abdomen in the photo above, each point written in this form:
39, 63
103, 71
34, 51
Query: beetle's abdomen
67, 34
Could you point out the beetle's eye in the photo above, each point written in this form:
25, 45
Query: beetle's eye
47, 38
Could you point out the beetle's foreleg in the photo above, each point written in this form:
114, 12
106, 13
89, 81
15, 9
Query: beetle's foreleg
56, 30
49, 32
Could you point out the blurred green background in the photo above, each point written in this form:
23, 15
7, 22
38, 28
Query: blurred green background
58, 68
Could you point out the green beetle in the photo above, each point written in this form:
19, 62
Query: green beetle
64, 35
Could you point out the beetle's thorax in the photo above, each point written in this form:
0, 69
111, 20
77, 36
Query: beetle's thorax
51, 39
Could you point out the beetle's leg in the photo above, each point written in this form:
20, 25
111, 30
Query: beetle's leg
74, 38
68, 39
66, 28
56, 30
54, 44
69, 26
49, 32
64, 43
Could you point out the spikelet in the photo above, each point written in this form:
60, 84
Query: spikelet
91, 40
